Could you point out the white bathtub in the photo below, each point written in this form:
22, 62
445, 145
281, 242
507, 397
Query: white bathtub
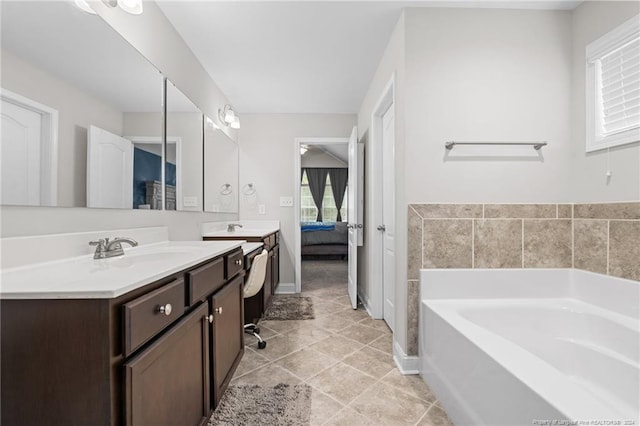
526, 347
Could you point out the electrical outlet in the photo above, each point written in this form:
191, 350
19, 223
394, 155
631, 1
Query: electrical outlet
286, 201
262, 209
190, 201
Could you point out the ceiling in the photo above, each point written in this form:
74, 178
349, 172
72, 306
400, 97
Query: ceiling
299, 57
339, 151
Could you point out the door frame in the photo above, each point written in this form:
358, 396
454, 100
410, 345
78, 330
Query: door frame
48, 144
177, 141
374, 263
297, 250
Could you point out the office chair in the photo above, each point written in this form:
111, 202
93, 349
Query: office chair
252, 286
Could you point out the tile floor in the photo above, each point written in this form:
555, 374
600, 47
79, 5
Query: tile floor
344, 355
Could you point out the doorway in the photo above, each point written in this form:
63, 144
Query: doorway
29, 150
321, 167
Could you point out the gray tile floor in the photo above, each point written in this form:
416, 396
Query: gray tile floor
344, 355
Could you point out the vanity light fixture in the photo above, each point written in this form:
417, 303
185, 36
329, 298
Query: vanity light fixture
228, 117
211, 123
133, 7
84, 6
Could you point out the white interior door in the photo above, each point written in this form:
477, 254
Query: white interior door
109, 170
388, 216
354, 223
20, 147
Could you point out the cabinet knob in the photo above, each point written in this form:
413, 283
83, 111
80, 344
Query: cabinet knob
239, 262
209, 318
166, 309
219, 310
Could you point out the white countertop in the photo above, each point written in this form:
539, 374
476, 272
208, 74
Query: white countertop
249, 247
83, 277
250, 229
242, 233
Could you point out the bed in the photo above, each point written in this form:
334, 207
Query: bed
324, 239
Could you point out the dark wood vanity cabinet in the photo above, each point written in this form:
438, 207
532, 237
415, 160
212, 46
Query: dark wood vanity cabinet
227, 344
272, 278
168, 383
162, 354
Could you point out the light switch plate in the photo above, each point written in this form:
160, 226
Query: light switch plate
262, 209
190, 201
286, 201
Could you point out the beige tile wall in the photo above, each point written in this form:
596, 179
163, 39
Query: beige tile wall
603, 238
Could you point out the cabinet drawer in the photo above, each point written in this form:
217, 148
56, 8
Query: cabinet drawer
205, 280
235, 263
145, 316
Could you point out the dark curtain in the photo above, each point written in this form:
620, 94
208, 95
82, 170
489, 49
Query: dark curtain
339, 178
317, 182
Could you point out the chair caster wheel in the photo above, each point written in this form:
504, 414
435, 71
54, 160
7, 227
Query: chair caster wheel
262, 345
256, 330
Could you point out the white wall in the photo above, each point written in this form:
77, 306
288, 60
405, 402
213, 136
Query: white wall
487, 75
21, 221
590, 21
76, 111
267, 152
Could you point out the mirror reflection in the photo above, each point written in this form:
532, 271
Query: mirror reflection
183, 171
221, 170
73, 129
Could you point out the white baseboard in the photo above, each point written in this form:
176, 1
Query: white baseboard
407, 364
286, 288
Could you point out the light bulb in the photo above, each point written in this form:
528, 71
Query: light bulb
229, 116
84, 6
133, 7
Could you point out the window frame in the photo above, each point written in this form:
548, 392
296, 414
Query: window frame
594, 51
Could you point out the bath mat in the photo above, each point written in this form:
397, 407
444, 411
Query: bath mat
289, 307
282, 405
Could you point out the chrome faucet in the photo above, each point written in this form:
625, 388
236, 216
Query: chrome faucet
232, 227
106, 248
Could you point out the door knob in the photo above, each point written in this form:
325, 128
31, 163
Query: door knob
349, 226
209, 318
219, 310
381, 228
166, 309
359, 226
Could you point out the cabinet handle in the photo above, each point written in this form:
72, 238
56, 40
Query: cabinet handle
219, 310
209, 318
239, 262
166, 309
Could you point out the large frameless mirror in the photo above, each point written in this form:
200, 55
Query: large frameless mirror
183, 171
78, 102
220, 170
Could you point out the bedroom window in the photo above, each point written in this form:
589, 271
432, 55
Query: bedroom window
308, 209
613, 87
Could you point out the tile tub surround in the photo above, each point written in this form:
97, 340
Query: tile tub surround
598, 237
602, 238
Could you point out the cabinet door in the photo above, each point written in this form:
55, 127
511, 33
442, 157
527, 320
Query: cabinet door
168, 383
227, 335
267, 288
275, 275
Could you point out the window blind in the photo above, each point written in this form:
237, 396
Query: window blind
620, 88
